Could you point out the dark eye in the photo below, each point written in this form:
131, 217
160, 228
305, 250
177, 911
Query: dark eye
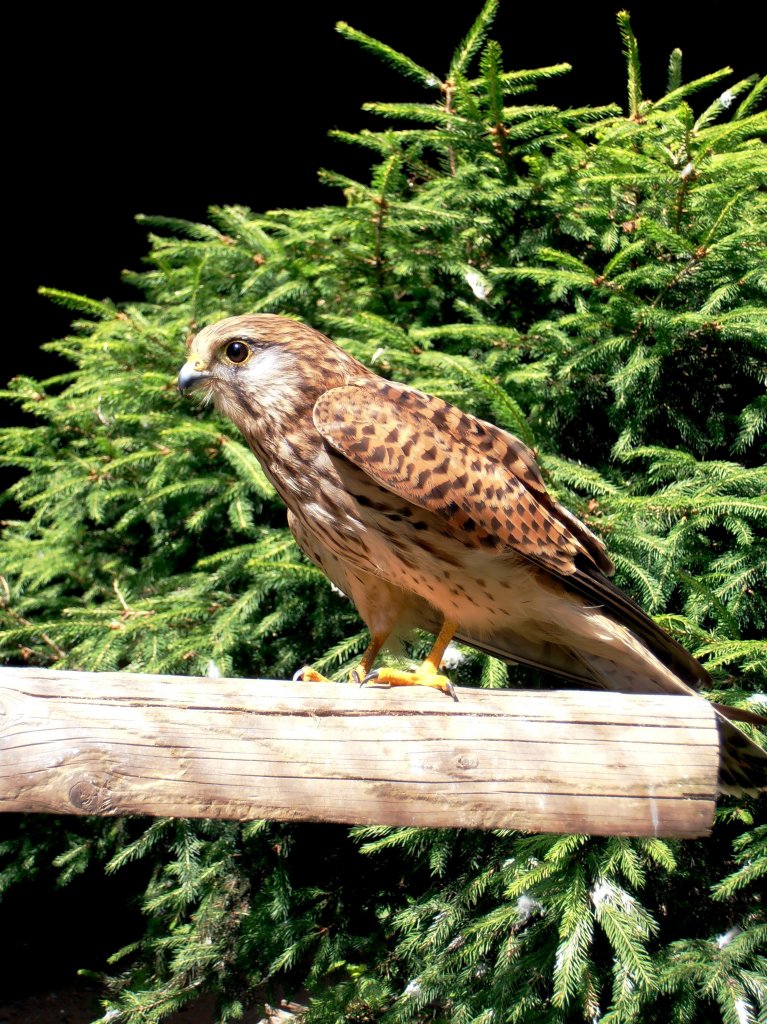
237, 351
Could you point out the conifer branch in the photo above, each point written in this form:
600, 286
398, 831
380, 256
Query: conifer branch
588, 279
674, 80
472, 43
386, 53
751, 101
634, 75
78, 303
5, 606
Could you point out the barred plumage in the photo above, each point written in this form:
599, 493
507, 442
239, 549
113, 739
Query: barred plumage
429, 517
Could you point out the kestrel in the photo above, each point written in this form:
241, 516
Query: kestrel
427, 517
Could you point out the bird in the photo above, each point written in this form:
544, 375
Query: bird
430, 518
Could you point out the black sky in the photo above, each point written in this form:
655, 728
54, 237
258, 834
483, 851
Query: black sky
150, 114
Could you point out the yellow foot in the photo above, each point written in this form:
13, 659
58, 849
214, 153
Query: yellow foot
308, 675
426, 675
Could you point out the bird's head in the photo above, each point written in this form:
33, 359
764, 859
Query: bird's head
262, 367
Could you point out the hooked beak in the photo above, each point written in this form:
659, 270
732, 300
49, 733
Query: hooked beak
191, 377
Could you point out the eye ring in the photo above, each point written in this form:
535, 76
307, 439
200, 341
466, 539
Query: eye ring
237, 351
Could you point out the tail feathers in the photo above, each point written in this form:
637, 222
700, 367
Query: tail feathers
743, 763
619, 608
631, 668
743, 766
741, 715
538, 654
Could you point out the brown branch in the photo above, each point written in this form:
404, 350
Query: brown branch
557, 761
22, 621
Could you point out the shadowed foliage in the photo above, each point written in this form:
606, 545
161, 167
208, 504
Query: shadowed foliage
592, 280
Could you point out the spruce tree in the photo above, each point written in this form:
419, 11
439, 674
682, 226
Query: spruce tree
592, 280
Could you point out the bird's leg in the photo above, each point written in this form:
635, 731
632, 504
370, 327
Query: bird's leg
366, 662
427, 674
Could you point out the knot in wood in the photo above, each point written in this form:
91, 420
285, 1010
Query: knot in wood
91, 795
467, 761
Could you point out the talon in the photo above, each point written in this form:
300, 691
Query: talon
356, 677
309, 675
427, 674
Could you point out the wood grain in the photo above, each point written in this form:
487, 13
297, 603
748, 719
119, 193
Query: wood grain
545, 761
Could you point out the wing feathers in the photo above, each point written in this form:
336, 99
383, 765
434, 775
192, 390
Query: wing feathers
481, 480
485, 483
675, 657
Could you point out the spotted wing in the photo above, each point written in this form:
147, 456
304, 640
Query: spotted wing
480, 479
487, 486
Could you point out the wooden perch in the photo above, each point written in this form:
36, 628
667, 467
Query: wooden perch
545, 761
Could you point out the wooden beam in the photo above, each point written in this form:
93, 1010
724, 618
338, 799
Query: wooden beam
545, 761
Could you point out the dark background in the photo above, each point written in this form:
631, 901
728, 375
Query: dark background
146, 114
